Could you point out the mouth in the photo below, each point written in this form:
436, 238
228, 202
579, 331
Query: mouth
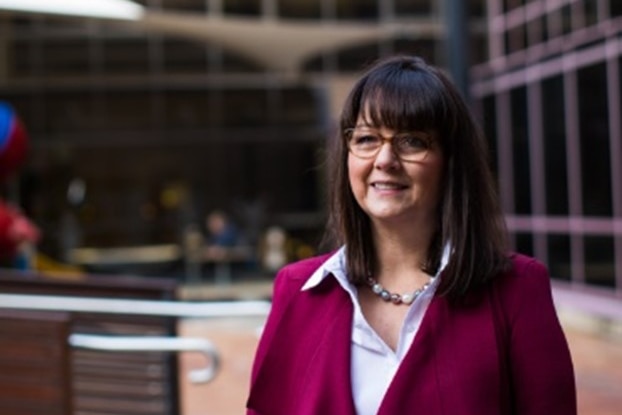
388, 186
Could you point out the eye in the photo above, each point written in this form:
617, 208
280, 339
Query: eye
365, 139
412, 142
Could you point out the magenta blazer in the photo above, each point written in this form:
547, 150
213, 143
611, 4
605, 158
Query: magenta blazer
501, 351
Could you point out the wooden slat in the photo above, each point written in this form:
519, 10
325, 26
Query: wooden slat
35, 375
102, 383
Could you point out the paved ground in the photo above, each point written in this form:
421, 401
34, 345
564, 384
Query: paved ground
596, 347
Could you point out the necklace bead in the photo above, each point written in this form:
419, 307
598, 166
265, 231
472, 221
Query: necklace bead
395, 298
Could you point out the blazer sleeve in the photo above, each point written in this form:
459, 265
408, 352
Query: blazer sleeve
283, 291
541, 371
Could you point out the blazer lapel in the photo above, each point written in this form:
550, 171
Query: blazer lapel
306, 371
452, 366
415, 385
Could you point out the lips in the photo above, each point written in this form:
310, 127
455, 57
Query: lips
388, 186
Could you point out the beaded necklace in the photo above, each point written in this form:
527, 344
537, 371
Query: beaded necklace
395, 298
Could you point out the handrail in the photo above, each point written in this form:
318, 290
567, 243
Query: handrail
210, 309
142, 307
154, 344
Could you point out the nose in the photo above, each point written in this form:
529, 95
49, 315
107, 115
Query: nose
386, 157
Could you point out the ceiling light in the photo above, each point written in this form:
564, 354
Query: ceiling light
103, 9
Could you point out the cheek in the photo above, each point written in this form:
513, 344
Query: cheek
356, 179
356, 174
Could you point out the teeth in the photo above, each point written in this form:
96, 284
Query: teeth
387, 186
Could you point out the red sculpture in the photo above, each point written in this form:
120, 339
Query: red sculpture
16, 230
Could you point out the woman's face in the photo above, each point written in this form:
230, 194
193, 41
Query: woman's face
392, 190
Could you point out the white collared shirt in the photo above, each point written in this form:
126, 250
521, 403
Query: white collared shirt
374, 364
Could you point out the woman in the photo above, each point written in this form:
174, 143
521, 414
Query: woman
422, 310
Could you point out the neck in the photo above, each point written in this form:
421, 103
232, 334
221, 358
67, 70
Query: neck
402, 251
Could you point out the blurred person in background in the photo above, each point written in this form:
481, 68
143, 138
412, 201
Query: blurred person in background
421, 309
222, 233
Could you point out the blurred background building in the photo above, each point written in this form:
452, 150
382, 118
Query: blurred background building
550, 97
140, 128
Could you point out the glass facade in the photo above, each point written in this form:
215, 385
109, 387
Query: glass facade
163, 128
555, 82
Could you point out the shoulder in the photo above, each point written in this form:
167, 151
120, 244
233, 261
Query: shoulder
525, 272
292, 276
525, 283
302, 269
523, 264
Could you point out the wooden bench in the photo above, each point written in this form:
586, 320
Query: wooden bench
35, 367
41, 374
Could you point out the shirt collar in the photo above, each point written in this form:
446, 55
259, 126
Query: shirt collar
336, 266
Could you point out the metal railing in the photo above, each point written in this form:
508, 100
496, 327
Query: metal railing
154, 344
216, 309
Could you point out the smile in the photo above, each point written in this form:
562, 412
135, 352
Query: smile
388, 186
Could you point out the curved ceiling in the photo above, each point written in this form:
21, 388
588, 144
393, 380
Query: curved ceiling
276, 44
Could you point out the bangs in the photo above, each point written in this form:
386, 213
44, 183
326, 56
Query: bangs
404, 100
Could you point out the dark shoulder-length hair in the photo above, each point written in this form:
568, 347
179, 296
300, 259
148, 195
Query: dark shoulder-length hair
404, 93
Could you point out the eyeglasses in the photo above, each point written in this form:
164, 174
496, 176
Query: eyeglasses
365, 143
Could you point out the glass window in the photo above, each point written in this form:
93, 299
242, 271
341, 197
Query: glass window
358, 58
544, 28
516, 39
65, 57
20, 24
184, 56
534, 32
554, 23
20, 59
479, 48
128, 110
232, 62
600, 260
554, 135
559, 261
524, 243
185, 109
520, 151
426, 48
512, 4
305, 9
245, 108
412, 7
566, 12
51, 24
591, 12
477, 8
244, 7
126, 55
185, 5
594, 136
215, 112
615, 8
360, 10
297, 107
70, 111
314, 64
489, 124
297, 189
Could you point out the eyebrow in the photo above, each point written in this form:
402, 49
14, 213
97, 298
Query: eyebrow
365, 125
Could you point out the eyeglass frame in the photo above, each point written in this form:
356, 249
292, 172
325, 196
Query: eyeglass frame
348, 133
